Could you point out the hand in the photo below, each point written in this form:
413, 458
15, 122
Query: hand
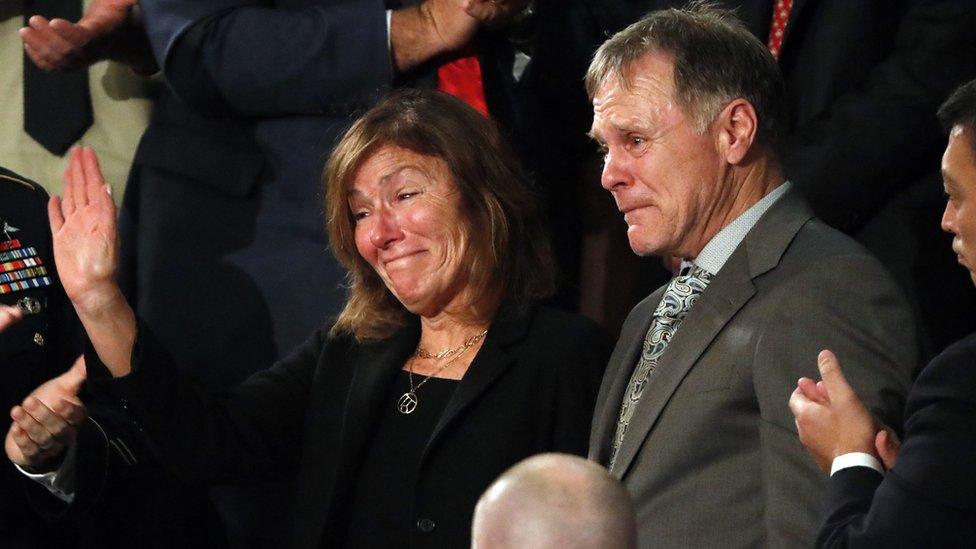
452, 26
493, 12
830, 418
83, 227
9, 316
46, 423
887, 444
105, 31
433, 28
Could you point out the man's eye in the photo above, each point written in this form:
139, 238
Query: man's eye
637, 141
407, 195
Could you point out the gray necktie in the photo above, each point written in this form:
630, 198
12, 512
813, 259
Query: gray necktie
679, 297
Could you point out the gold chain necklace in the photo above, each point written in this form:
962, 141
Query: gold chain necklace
424, 353
407, 403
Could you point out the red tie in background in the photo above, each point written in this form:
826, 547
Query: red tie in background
462, 79
781, 15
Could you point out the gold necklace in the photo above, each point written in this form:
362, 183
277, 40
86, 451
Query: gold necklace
407, 403
424, 353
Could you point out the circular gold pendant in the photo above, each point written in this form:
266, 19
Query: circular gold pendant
407, 403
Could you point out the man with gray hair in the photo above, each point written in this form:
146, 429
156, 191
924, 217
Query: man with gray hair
692, 416
555, 501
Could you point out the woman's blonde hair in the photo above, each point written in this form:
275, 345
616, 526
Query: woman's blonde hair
509, 253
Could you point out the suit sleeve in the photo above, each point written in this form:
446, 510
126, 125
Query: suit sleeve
252, 432
883, 135
256, 59
926, 500
850, 305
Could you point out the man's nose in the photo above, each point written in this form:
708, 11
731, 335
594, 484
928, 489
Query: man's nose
615, 174
948, 223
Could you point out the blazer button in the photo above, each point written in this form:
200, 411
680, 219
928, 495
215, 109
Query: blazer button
426, 525
38, 339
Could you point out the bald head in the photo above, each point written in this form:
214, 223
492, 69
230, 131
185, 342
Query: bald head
558, 501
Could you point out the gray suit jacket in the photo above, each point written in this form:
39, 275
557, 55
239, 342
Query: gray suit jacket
712, 457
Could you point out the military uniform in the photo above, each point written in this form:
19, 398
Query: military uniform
41, 346
124, 498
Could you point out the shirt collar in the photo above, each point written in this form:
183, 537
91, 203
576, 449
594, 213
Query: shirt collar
718, 250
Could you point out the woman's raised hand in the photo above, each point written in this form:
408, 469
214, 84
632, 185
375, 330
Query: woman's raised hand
86, 253
83, 226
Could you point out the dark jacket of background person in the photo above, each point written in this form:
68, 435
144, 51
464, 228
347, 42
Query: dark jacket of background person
929, 498
39, 347
557, 115
224, 254
530, 389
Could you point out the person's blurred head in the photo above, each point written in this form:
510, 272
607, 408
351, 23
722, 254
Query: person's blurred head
555, 501
958, 117
687, 104
430, 211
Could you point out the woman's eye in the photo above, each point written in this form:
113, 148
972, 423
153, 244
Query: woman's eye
357, 216
407, 195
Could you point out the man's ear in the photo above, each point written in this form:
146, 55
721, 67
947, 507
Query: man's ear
736, 127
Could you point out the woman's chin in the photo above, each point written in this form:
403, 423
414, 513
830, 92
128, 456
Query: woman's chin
413, 303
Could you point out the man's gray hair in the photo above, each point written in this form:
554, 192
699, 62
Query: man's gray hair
716, 60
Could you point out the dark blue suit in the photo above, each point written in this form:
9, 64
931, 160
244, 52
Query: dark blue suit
929, 498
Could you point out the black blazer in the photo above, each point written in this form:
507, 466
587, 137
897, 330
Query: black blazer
929, 498
530, 389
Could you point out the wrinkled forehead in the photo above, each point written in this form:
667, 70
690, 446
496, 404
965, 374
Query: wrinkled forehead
640, 97
387, 162
653, 71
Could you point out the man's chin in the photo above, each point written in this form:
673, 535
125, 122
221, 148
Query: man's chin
641, 246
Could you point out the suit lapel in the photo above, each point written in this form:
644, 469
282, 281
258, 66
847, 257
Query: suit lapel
728, 292
492, 361
377, 368
617, 376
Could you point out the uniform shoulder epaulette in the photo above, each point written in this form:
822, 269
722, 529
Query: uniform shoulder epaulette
7, 176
